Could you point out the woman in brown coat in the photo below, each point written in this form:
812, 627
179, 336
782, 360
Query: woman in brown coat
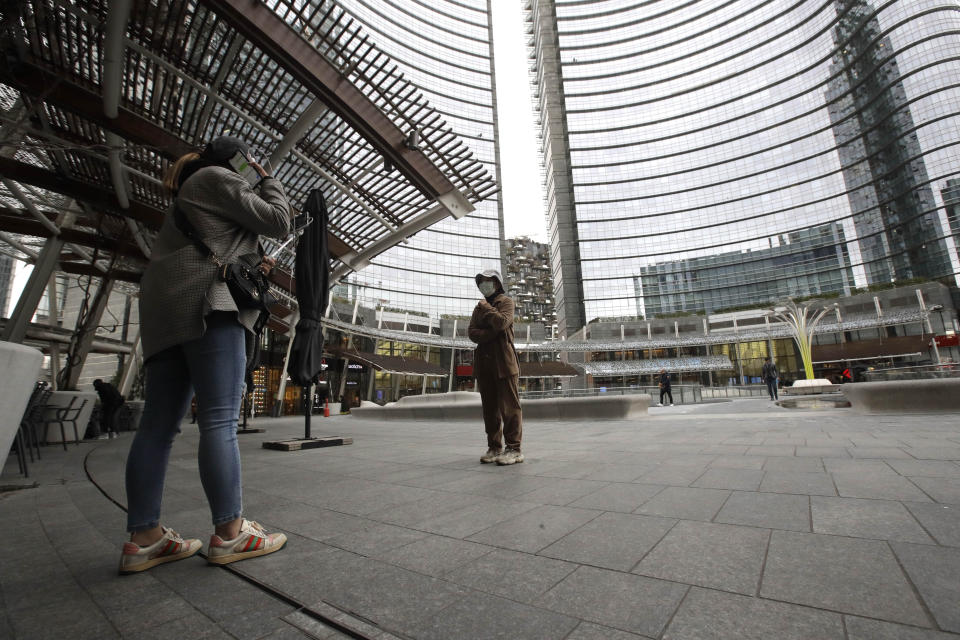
497, 370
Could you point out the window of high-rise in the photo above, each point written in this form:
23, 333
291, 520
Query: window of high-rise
444, 48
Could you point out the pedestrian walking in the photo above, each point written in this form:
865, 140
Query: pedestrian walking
497, 370
194, 338
665, 388
770, 375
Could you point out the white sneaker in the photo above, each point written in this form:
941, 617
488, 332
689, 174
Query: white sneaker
671, 404
490, 456
659, 404
510, 456
252, 541
169, 548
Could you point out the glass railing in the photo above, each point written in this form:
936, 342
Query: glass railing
682, 393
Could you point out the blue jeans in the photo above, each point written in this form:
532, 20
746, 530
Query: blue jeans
213, 367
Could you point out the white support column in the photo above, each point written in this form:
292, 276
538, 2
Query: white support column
53, 319
926, 319
132, 367
19, 246
453, 357
373, 371
282, 388
737, 347
423, 389
82, 341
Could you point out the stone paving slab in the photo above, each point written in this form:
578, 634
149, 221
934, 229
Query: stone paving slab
713, 614
623, 601
840, 574
935, 572
879, 519
720, 556
769, 510
942, 521
612, 541
729, 520
686, 503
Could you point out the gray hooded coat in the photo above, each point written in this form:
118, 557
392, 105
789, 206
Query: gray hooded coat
180, 286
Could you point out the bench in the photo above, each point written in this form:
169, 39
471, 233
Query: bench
935, 395
465, 405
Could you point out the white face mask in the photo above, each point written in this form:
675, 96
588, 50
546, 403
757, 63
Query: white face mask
487, 288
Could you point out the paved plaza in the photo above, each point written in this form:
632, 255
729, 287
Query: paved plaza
729, 520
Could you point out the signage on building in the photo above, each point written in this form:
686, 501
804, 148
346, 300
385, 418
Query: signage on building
464, 369
948, 341
354, 365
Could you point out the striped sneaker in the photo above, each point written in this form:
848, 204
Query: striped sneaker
169, 548
253, 541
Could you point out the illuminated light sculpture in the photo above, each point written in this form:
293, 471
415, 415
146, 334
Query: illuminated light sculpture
802, 325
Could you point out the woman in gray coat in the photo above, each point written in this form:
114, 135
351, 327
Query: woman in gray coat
193, 338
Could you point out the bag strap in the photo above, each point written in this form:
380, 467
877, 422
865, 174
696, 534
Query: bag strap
185, 227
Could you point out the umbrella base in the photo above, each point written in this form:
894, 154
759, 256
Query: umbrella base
297, 444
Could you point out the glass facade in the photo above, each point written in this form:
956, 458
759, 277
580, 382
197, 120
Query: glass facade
444, 48
707, 155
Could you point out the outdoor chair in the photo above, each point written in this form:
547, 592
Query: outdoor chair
70, 413
33, 417
61, 416
26, 440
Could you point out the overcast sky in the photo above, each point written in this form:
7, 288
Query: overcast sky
519, 160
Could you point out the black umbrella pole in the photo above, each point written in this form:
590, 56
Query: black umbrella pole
308, 410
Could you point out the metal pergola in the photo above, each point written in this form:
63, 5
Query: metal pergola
97, 97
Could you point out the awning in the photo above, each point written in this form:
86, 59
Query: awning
547, 370
672, 365
393, 364
98, 97
893, 346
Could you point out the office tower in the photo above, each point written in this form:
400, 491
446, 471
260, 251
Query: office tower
681, 136
801, 263
445, 49
894, 211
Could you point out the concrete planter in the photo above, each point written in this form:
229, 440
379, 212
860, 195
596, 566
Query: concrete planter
905, 396
465, 405
20, 366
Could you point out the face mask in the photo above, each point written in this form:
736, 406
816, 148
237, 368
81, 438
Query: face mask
487, 288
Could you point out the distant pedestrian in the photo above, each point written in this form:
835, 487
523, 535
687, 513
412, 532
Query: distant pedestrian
770, 375
110, 403
665, 387
497, 370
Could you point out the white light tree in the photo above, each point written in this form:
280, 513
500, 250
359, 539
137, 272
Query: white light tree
802, 324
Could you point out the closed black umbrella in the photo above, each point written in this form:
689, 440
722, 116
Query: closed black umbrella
312, 272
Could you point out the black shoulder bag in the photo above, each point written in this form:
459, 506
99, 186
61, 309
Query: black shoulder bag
248, 285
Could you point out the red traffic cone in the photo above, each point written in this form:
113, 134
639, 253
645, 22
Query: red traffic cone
326, 409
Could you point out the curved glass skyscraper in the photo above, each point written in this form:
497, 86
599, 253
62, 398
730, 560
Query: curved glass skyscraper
444, 47
706, 155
